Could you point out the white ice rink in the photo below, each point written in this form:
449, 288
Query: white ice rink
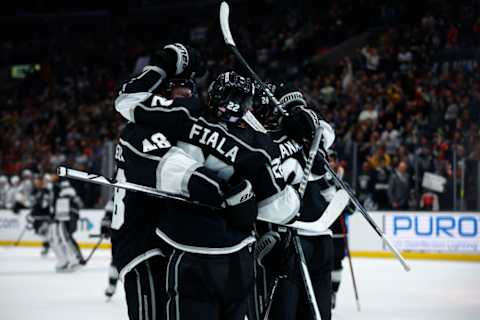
30, 290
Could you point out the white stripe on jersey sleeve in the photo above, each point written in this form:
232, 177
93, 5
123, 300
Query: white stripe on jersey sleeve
126, 103
280, 208
174, 172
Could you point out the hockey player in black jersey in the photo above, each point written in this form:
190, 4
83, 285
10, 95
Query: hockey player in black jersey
105, 232
293, 134
146, 155
210, 272
40, 215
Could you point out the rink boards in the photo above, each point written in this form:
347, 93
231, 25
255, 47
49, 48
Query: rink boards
418, 234
12, 225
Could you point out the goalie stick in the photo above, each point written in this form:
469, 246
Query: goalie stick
227, 35
322, 224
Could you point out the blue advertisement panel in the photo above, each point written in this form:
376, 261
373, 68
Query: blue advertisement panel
434, 231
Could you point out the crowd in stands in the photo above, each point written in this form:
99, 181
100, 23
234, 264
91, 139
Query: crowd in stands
403, 97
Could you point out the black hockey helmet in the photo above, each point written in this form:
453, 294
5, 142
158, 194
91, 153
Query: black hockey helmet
230, 96
263, 109
176, 83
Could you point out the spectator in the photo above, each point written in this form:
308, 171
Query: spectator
4, 187
403, 91
391, 138
405, 59
380, 158
429, 201
372, 59
369, 114
399, 187
365, 186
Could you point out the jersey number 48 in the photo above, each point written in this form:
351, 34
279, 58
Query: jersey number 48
118, 216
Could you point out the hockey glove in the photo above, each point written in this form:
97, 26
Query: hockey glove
273, 251
105, 228
289, 96
301, 124
241, 206
179, 61
351, 208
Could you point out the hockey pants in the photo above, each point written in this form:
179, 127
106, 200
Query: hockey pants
209, 287
290, 300
145, 289
339, 254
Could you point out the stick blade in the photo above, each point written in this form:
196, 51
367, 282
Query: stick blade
331, 213
224, 25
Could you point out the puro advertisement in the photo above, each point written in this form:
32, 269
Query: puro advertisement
434, 231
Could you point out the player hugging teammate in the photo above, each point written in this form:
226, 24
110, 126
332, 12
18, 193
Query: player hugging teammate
196, 260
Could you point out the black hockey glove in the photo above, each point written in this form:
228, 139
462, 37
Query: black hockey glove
241, 206
289, 96
301, 124
179, 61
105, 227
351, 208
273, 251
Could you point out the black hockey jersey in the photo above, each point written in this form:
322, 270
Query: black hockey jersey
318, 190
41, 198
227, 150
66, 203
145, 156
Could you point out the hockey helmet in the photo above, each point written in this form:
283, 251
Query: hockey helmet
262, 109
14, 180
230, 96
182, 88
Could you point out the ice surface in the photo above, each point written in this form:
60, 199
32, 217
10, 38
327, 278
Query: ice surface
433, 290
30, 289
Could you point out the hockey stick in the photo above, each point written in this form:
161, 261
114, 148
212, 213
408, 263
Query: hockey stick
97, 245
101, 180
365, 214
334, 209
316, 226
227, 35
349, 257
16, 243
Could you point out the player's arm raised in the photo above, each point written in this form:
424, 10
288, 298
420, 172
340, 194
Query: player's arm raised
140, 99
